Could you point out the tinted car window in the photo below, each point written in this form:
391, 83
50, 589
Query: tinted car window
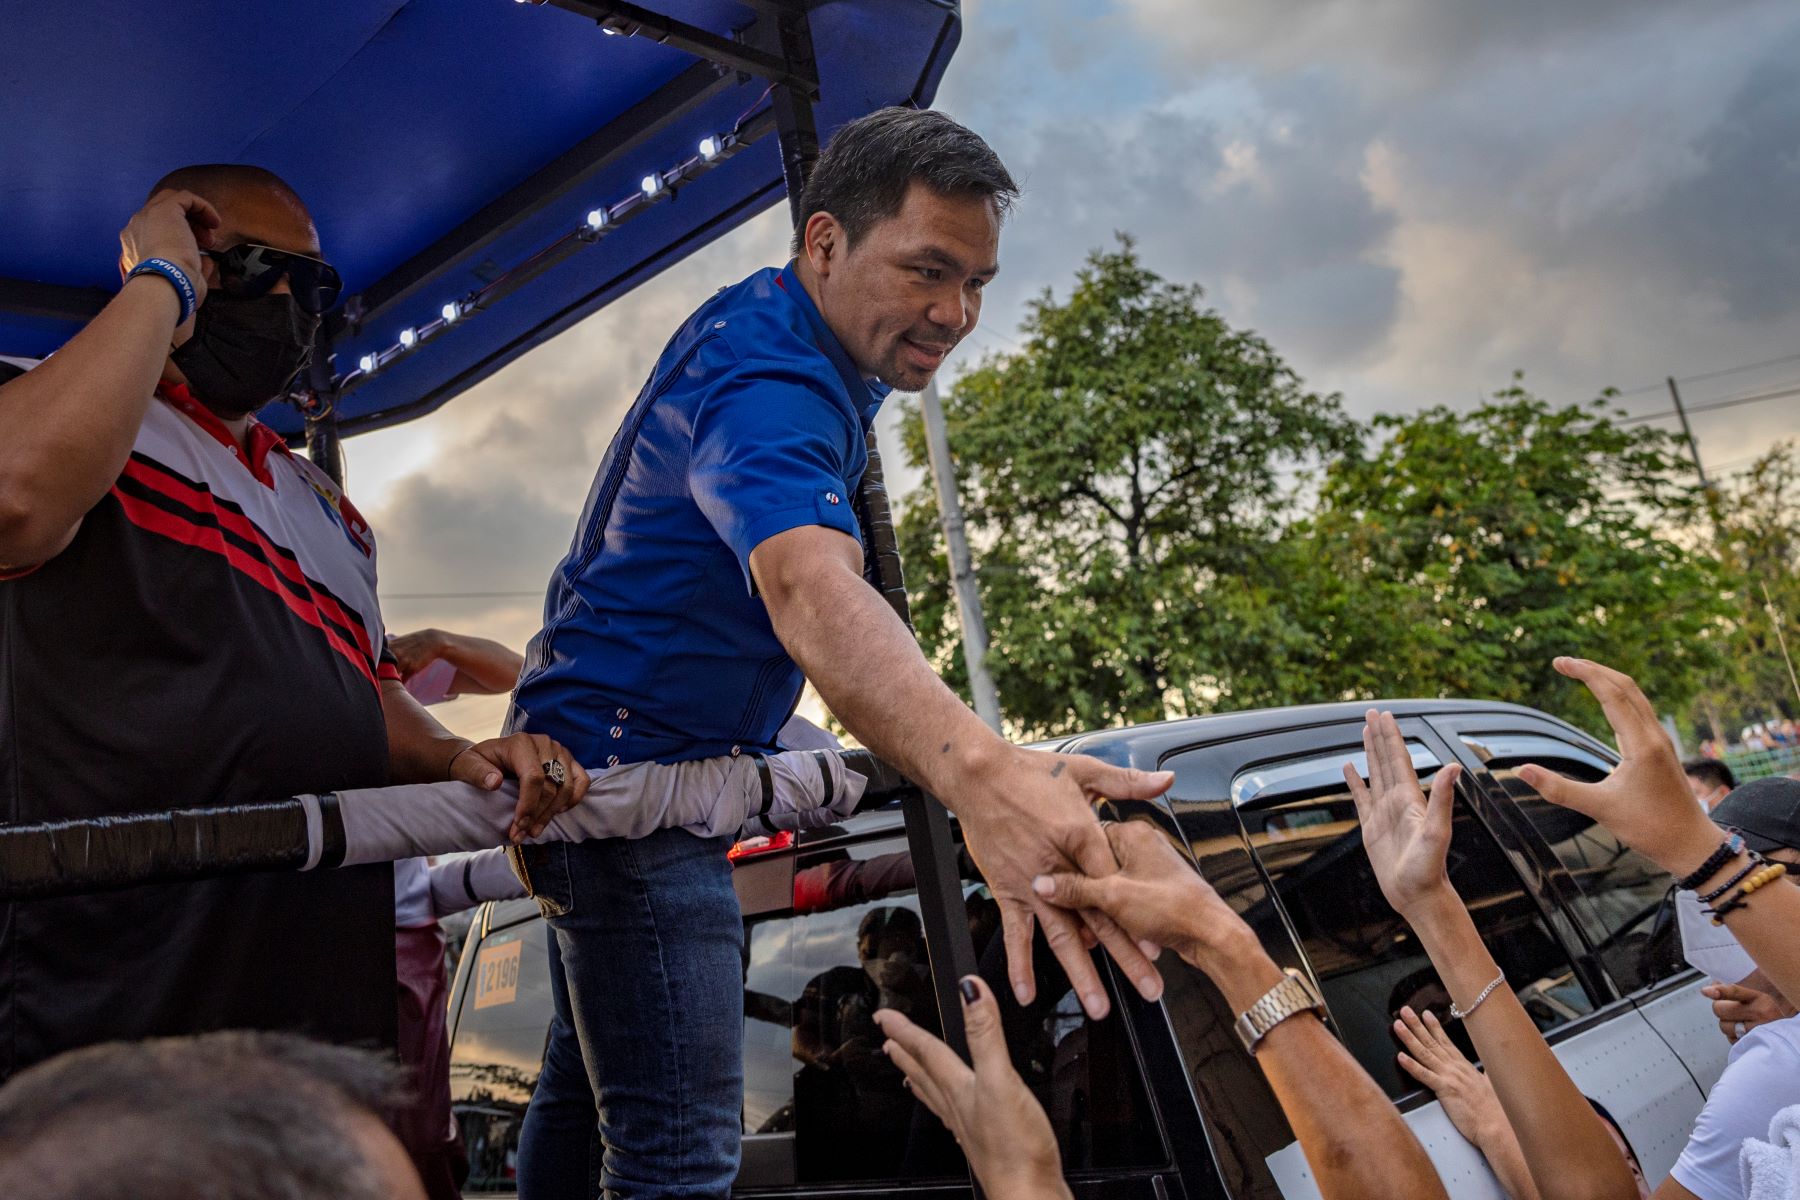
501, 1026
1630, 896
853, 943
1304, 829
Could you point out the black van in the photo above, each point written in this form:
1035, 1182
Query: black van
1159, 1100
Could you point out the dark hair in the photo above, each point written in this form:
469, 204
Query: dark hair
1710, 771
224, 1116
863, 173
1600, 1111
213, 180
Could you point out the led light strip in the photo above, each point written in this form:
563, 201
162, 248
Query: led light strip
652, 189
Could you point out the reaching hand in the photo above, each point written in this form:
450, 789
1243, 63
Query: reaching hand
1740, 1009
1405, 835
413, 652
173, 225
1465, 1093
1155, 896
524, 756
998, 1122
1645, 802
1033, 816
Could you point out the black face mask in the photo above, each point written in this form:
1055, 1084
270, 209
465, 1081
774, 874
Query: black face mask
245, 352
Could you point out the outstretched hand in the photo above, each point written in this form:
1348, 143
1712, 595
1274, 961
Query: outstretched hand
1036, 816
1645, 802
992, 1114
1405, 834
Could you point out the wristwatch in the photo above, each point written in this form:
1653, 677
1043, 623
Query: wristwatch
1295, 994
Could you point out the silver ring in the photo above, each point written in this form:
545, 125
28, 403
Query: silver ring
1737, 1031
553, 770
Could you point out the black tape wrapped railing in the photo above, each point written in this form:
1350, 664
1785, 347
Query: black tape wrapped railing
95, 854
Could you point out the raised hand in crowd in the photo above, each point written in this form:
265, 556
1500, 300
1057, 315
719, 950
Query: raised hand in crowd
1407, 837
992, 1114
1336, 1111
1742, 1006
1646, 804
1467, 1098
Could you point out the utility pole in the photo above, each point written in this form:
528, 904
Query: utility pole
1693, 446
962, 569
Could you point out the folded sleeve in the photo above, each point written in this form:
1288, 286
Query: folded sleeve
774, 449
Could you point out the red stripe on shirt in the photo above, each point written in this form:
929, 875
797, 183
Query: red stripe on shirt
201, 500
149, 517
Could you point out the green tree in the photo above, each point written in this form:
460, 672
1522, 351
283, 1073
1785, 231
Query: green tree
1125, 475
1756, 524
1466, 550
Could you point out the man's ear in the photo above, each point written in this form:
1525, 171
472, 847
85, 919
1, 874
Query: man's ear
823, 242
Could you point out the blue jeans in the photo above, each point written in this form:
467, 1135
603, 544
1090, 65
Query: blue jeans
646, 1046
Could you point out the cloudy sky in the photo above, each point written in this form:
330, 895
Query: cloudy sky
1409, 198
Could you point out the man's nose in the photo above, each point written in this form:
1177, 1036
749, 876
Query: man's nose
282, 287
949, 310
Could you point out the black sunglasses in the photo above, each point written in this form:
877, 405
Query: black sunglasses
249, 270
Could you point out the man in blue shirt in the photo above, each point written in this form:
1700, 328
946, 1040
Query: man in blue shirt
718, 565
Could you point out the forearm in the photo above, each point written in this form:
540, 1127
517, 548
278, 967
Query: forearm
1565, 1144
1500, 1146
71, 422
843, 635
483, 666
1764, 925
419, 749
1336, 1111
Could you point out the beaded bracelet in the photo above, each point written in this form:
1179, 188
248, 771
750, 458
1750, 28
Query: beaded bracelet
1756, 863
1767, 875
1729, 849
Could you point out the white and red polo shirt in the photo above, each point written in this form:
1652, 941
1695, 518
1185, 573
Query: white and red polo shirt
210, 637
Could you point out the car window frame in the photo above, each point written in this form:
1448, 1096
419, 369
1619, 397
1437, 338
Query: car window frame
1583, 920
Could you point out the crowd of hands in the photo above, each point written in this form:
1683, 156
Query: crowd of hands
1540, 1135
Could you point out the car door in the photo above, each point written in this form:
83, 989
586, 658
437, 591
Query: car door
824, 1110
1618, 902
1301, 876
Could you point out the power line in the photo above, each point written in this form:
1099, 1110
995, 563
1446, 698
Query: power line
1705, 375
1783, 394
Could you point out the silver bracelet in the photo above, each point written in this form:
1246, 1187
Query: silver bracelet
1487, 991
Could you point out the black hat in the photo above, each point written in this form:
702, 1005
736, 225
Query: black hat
1765, 811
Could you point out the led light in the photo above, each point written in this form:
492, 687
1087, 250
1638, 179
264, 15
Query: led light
709, 148
597, 219
409, 338
367, 363
450, 312
609, 31
651, 185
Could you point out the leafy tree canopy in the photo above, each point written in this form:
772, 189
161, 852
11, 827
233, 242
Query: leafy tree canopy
1123, 477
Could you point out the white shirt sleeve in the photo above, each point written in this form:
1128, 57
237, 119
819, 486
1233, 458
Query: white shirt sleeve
1761, 1078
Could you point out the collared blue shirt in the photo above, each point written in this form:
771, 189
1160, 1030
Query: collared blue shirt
655, 645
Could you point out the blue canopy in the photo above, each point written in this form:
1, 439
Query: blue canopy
525, 161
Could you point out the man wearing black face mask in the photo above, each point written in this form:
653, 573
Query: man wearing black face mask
188, 618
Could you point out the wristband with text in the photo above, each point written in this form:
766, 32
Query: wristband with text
178, 279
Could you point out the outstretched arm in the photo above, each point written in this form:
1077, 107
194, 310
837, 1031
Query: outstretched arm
1571, 1155
1467, 1098
1023, 812
1641, 803
484, 667
1353, 1137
